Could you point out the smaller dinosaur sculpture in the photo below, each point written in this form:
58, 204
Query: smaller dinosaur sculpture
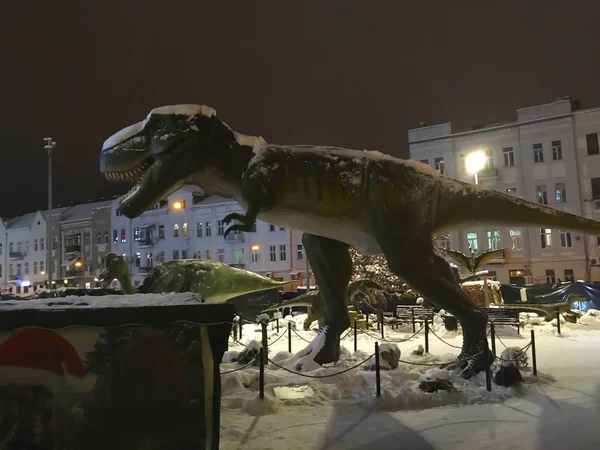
550, 309
472, 263
361, 294
214, 281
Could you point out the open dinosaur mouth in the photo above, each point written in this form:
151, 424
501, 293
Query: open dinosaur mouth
137, 175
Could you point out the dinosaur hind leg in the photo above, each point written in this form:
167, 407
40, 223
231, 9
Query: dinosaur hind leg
431, 276
332, 266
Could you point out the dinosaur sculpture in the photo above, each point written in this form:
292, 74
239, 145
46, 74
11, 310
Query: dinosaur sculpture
215, 282
361, 294
550, 310
338, 197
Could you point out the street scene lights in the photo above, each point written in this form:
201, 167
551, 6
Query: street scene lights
78, 264
255, 248
177, 205
474, 163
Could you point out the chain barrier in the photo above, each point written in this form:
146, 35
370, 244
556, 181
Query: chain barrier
240, 368
278, 337
435, 334
329, 375
439, 363
296, 333
393, 341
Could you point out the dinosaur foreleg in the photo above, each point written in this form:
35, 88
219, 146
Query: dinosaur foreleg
332, 266
432, 277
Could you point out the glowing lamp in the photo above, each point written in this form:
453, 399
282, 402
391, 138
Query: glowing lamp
255, 248
177, 205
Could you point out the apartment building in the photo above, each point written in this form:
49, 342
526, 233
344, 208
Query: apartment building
189, 224
549, 155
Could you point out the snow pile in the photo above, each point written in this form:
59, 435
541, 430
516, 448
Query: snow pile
107, 301
588, 323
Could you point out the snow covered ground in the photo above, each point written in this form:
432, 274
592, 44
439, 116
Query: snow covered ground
556, 410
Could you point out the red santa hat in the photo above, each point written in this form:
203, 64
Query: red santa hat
39, 356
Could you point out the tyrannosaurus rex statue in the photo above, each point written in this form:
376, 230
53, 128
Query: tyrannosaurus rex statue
338, 197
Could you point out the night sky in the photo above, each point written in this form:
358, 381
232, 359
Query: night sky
356, 74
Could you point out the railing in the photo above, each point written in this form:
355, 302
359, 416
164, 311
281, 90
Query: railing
16, 255
72, 248
488, 173
235, 237
146, 243
13, 277
499, 258
145, 269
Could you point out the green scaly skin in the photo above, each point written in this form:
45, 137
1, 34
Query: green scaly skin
215, 282
361, 293
338, 197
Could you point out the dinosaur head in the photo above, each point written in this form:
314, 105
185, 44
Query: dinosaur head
160, 153
116, 267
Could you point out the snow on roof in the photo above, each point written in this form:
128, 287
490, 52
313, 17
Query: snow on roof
23, 221
136, 128
84, 211
213, 200
107, 301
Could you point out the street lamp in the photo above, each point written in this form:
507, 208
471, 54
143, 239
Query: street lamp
177, 205
78, 264
475, 162
50, 145
255, 248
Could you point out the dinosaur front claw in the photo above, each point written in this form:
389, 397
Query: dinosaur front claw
239, 228
234, 216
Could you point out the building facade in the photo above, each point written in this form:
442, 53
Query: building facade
549, 155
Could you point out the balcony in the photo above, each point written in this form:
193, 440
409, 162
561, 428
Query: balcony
16, 255
234, 238
145, 243
14, 277
72, 248
145, 269
488, 173
238, 266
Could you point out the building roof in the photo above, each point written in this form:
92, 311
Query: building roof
213, 200
83, 211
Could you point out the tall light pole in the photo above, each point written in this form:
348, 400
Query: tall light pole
50, 145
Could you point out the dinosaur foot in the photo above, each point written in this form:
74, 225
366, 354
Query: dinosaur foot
471, 360
323, 349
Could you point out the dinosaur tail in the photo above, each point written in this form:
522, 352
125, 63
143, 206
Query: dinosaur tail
302, 300
465, 204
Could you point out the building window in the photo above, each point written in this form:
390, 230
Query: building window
10, 269
184, 254
207, 229
511, 191
123, 235
538, 153
98, 238
565, 239
42, 244
220, 227
546, 237
35, 246
26, 268
11, 248
281, 228
199, 254
299, 252
556, 151
515, 237
271, 227
424, 161
199, 229
595, 188
175, 254
472, 240
493, 238
208, 255
569, 275
0, 270
221, 255
272, 253
0, 248
138, 259
542, 194
254, 256
592, 144
492, 275
105, 238
161, 231
509, 157
35, 269
550, 276
282, 253
86, 239
439, 165
19, 270
561, 192
238, 256
137, 234
185, 230
253, 230
41, 266
115, 236
176, 230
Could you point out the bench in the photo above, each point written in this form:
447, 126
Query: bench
413, 314
499, 316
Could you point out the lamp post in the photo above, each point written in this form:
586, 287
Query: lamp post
474, 163
50, 145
